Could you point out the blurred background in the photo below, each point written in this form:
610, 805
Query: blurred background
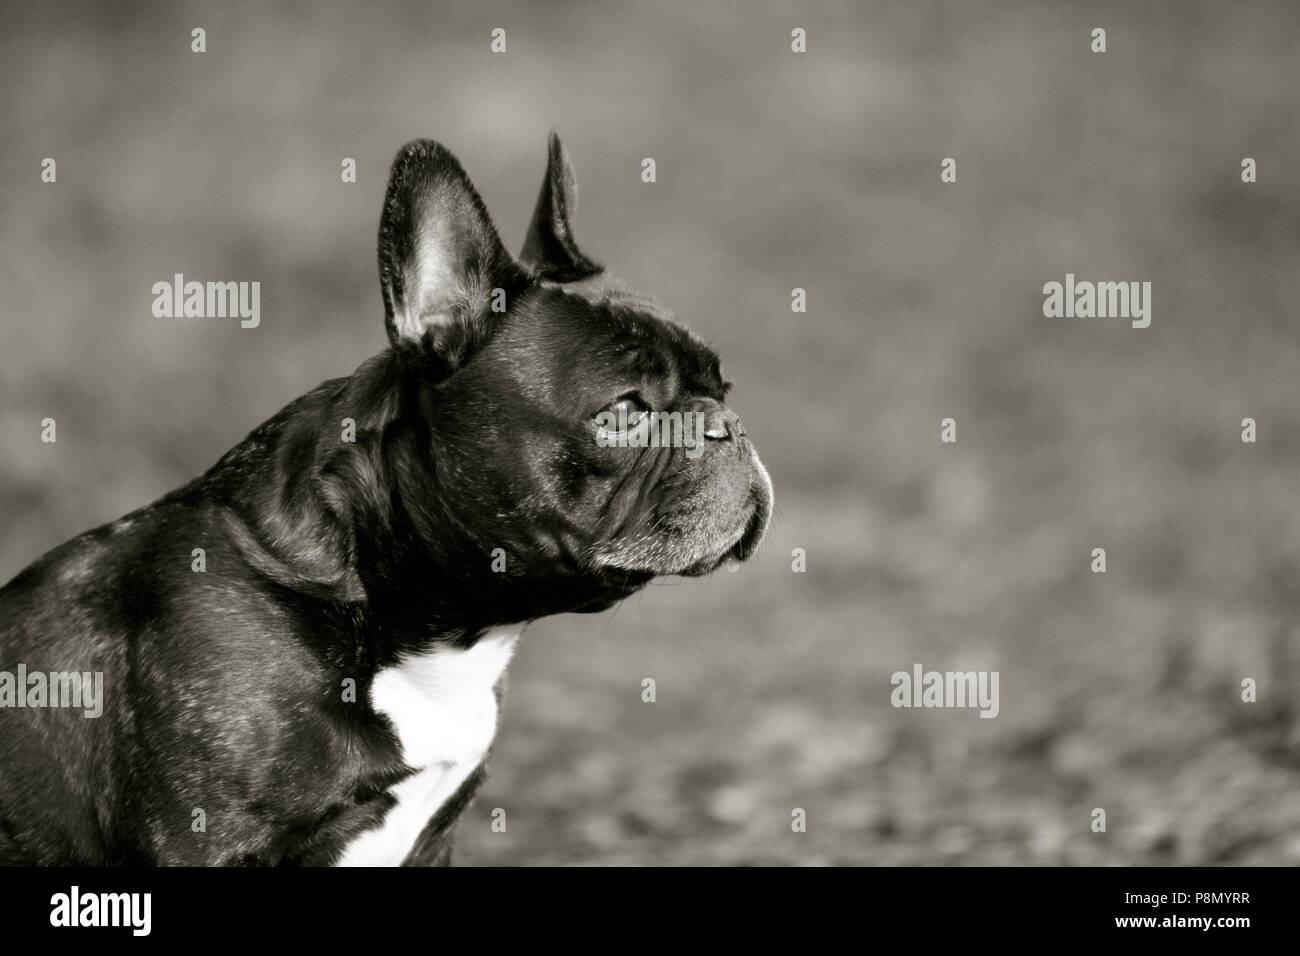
775, 170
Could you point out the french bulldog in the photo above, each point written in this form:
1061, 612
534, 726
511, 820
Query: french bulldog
302, 651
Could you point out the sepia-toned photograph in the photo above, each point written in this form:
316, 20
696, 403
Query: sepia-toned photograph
649, 435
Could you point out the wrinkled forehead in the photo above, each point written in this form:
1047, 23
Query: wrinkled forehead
634, 318
605, 291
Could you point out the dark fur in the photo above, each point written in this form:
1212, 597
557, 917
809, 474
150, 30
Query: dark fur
328, 560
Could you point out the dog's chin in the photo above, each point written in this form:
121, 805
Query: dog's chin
688, 557
737, 547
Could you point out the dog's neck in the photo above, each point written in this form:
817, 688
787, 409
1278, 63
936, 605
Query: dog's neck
337, 500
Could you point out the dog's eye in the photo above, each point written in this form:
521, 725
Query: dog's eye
623, 414
630, 407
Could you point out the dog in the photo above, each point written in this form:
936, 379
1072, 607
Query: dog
303, 650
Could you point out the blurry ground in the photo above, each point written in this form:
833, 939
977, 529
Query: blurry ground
821, 171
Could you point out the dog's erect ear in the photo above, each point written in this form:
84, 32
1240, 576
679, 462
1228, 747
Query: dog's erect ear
440, 258
549, 247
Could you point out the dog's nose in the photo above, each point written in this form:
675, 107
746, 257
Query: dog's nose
722, 423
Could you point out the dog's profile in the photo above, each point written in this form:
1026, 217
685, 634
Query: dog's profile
303, 648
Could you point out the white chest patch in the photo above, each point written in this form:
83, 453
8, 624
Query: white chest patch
443, 707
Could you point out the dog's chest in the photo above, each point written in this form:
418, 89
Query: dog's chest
443, 708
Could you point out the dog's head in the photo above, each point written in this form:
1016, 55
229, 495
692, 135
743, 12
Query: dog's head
575, 432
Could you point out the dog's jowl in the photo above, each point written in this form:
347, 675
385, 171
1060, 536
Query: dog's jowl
323, 685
